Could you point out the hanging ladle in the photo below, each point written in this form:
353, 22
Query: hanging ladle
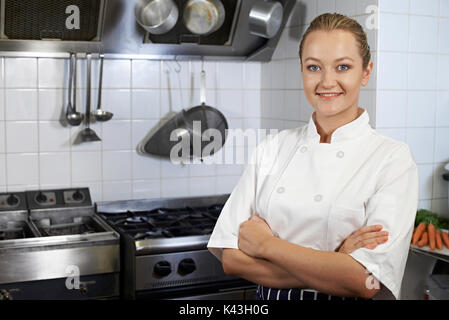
73, 117
101, 115
88, 134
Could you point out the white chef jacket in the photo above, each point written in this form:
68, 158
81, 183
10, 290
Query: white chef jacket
316, 194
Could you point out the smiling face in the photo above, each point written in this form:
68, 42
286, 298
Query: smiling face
332, 72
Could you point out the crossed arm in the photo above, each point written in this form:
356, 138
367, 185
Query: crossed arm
265, 259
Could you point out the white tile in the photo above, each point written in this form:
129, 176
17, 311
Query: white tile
173, 170
2, 137
146, 73
424, 7
173, 100
147, 189
2, 104
441, 146
253, 72
420, 78
116, 101
21, 136
443, 31
425, 172
172, 188
444, 8
421, 109
372, 82
52, 104
292, 40
367, 101
292, 105
53, 137
230, 75
202, 186
442, 110
2, 72
440, 207
306, 109
423, 34
210, 67
141, 129
2, 171
95, 73
55, 168
443, 66
145, 167
370, 24
277, 103
398, 6
201, 169
392, 69
116, 165
117, 135
279, 51
146, 104
278, 76
117, 74
421, 141
293, 76
230, 103
393, 32
325, 6
394, 133
425, 204
225, 184
367, 6
251, 103
266, 74
176, 76
21, 104
20, 73
86, 166
53, 73
22, 169
440, 186
346, 7
113, 191
303, 12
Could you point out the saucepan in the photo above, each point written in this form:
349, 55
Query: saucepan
156, 16
203, 17
265, 18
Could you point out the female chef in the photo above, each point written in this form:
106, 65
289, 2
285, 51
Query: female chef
289, 223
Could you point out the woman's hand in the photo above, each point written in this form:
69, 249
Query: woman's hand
252, 234
366, 237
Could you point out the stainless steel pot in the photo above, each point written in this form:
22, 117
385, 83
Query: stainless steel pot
156, 16
203, 17
265, 18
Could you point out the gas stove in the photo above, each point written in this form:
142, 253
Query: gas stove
164, 249
53, 246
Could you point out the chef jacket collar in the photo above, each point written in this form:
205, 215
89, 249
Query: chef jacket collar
344, 133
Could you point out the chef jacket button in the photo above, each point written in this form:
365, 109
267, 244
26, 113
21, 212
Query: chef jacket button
281, 190
318, 198
340, 154
303, 149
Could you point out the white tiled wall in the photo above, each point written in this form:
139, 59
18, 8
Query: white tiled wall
38, 151
413, 91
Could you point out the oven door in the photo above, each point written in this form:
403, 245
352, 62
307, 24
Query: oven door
226, 290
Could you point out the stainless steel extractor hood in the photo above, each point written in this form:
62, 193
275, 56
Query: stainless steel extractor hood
53, 28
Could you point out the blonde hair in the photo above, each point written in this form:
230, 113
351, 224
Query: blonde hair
334, 21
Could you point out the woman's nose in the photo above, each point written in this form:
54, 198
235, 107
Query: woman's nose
328, 79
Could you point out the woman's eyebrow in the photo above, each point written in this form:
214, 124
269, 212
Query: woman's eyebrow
339, 59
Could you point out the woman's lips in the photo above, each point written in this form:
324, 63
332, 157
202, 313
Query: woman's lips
328, 97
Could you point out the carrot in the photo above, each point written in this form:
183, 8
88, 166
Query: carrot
438, 240
431, 234
413, 233
420, 229
424, 240
445, 237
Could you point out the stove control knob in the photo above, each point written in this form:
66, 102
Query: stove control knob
12, 200
162, 269
77, 196
41, 198
186, 266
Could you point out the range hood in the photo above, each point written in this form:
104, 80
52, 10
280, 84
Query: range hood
48, 28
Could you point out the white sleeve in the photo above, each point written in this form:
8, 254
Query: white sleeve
239, 207
393, 206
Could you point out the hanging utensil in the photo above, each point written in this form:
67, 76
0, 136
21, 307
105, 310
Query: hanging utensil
101, 115
156, 16
265, 19
202, 17
88, 134
73, 117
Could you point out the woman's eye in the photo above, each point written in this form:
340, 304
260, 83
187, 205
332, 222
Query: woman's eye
313, 68
346, 67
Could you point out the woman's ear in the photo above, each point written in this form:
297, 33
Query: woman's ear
367, 73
